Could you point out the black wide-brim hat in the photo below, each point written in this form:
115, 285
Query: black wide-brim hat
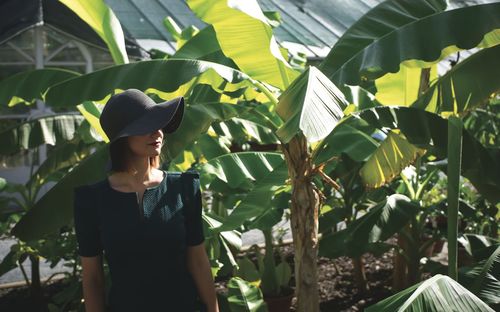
134, 113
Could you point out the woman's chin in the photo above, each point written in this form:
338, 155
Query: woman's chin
152, 153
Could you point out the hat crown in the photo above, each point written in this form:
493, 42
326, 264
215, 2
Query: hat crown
122, 109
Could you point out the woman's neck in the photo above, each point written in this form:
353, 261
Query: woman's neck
140, 170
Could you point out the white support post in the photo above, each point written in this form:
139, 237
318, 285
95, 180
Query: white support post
39, 64
89, 65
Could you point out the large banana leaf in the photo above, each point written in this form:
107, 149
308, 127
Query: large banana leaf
491, 293
212, 146
475, 245
235, 23
468, 84
204, 46
259, 174
273, 213
30, 85
439, 293
8, 262
312, 105
404, 31
348, 138
242, 131
380, 21
258, 203
54, 209
104, 22
489, 289
244, 297
264, 116
390, 158
64, 155
35, 132
402, 88
484, 124
239, 171
359, 98
163, 75
483, 278
196, 121
218, 244
91, 112
429, 131
377, 225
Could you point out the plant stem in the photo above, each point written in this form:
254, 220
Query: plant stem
266, 91
454, 167
24, 274
360, 275
269, 281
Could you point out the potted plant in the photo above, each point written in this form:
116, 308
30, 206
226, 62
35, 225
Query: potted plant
273, 279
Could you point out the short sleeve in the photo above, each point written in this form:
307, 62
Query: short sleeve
193, 209
86, 223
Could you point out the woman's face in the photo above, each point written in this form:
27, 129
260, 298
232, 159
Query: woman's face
147, 145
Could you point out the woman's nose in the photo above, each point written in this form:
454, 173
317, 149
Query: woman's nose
157, 133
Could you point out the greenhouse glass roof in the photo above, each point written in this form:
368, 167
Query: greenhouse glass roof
309, 26
17, 16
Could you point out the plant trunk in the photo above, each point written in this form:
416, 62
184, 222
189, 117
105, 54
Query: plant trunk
35, 286
399, 274
414, 255
359, 274
269, 283
305, 205
413, 276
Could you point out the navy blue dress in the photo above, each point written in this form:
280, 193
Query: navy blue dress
145, 248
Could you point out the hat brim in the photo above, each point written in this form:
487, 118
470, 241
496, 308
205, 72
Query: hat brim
166, 116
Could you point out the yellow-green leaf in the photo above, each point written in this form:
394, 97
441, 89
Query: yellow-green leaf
392, 156
104, 22
246, 37
90, 111
401, 88
312, 105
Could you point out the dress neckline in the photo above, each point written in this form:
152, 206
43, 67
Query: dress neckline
147, 188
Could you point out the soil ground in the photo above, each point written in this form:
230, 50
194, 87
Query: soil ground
337, 288
338, 292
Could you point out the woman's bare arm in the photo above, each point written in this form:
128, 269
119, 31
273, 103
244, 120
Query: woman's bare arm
199, 267
93, 284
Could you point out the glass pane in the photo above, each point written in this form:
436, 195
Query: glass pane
23, 42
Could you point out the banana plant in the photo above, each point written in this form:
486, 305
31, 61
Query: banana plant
104, 22
308, 104
42, 130
438, 293
58, 162
243, 296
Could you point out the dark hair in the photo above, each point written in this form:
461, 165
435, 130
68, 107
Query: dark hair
119, 152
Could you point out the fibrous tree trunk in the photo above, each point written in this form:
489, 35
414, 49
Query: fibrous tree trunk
305, 204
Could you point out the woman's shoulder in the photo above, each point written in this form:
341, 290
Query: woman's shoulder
92, 188
188, 173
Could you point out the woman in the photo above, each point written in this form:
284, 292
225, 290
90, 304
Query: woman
146, 221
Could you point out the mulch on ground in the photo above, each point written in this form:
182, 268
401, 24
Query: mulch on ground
337, 288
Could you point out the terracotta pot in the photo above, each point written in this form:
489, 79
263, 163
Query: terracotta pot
280, 303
